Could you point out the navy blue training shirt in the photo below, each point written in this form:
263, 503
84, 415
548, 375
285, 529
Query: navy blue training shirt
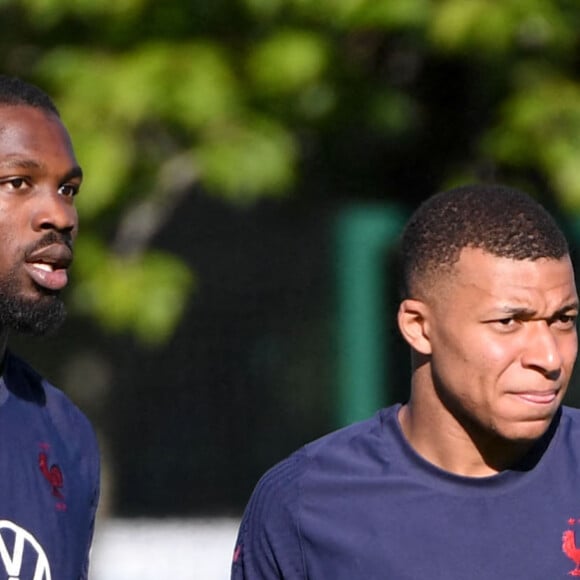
49, 479
361, 504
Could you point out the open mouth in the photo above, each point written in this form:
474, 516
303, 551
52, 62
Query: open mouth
46, 276
48, 266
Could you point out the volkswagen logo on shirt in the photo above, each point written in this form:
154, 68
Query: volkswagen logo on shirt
21, 556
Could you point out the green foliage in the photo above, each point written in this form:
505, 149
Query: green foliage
247, 161
245, 98
485, 28
541, 127
286, 61
188, 83
111, 149
145, 295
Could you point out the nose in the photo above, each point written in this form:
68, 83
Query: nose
53, 211
542, 350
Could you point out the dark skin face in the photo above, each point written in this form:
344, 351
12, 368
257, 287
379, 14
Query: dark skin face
39, 178
494, 346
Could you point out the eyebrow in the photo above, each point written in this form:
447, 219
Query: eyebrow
19, 163
74, 173
528, 312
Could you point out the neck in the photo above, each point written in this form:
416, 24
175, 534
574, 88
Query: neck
452, 445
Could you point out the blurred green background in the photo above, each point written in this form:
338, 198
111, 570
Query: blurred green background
230, 149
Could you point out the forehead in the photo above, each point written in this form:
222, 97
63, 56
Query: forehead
484, 280
30, 132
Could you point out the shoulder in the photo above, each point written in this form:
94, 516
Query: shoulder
270, 537
355, 443
33, 391
336, 454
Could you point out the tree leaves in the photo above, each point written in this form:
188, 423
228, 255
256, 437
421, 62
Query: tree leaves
243, 99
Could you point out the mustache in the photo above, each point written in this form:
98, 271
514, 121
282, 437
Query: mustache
49, 239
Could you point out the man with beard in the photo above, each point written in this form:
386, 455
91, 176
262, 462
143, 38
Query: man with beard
49, 459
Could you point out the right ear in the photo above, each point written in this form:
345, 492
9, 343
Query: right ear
414, 325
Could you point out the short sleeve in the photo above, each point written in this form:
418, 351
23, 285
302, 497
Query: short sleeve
269, 545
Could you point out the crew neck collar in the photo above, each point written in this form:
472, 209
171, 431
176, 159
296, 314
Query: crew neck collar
443, 480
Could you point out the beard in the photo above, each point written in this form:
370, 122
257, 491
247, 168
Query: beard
35, 316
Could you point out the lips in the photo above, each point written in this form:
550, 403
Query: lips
48, 265
539, 398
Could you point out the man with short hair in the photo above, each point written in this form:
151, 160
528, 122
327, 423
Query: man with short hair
477, 474
49, 461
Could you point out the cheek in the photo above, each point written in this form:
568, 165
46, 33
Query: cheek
500, 360
499, 353
474, 367
12, 254
477, 351
569, 351
7, 243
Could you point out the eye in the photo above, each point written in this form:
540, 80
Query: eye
566, 321
14, 182
508, 324
69, 189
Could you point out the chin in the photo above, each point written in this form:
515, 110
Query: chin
527, 431
32, 317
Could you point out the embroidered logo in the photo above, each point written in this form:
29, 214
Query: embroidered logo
21, 555
52, 474
570, 548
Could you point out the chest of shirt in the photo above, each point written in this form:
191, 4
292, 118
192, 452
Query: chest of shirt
407, 531
44, 500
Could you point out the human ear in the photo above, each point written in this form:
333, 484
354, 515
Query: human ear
414, 325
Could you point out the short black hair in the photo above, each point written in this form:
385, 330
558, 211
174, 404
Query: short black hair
497, 219
15, 91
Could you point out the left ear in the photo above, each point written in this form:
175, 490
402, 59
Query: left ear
414, 325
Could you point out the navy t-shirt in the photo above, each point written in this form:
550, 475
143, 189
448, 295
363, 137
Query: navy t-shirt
49, 479
361, 504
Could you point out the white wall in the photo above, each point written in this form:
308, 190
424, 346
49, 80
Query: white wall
146, 549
